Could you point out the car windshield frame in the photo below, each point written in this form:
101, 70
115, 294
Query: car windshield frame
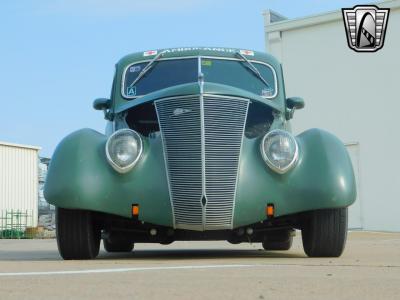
200, 57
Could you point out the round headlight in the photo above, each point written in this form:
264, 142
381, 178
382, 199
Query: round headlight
279, 150
123, 149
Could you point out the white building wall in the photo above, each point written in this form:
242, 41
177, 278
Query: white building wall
353, 95
19, 180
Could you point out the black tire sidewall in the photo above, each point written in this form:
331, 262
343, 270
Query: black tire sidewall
324, 232
78, 237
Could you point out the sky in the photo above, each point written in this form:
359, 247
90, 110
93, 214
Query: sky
57, 56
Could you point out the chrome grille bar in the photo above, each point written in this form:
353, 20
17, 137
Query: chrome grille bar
202, 139
224, 121
179, 120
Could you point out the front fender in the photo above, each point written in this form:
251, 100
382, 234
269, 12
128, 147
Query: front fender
322, 178
79, 177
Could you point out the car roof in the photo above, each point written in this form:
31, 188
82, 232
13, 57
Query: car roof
198, 51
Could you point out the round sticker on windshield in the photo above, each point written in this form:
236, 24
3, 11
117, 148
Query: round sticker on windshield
134, 69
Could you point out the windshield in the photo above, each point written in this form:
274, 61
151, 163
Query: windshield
163, 74
239, 74
166, 73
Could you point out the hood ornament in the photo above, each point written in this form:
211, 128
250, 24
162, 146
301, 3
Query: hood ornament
180, 111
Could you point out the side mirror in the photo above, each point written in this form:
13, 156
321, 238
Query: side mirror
103, 104
295, 102
292, 104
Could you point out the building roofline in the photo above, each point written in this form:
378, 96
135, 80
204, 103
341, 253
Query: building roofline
271, 12
19, 145
320, 18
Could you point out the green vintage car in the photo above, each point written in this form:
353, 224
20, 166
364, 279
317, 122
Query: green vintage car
198, 146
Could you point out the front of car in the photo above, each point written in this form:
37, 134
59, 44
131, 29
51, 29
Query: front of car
198, 140
203, 106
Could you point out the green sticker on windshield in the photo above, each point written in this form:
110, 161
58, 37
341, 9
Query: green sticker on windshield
131, 91
206, 62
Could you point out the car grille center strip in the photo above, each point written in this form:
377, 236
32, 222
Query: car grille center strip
202, 139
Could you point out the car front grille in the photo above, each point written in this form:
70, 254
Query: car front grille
202, 139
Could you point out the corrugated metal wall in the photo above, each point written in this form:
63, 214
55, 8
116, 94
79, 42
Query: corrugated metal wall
19, 180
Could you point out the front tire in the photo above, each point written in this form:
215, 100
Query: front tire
324, 232
78, 237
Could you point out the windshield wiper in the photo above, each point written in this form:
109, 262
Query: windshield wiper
147, 68
253, 69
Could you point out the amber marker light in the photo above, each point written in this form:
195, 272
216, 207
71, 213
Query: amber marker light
270, 210
135, 210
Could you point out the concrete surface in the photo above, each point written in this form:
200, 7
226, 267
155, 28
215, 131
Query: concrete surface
369, 269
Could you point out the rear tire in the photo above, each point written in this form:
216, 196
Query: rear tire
279, 240
78, 237
117, 245
324, 232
